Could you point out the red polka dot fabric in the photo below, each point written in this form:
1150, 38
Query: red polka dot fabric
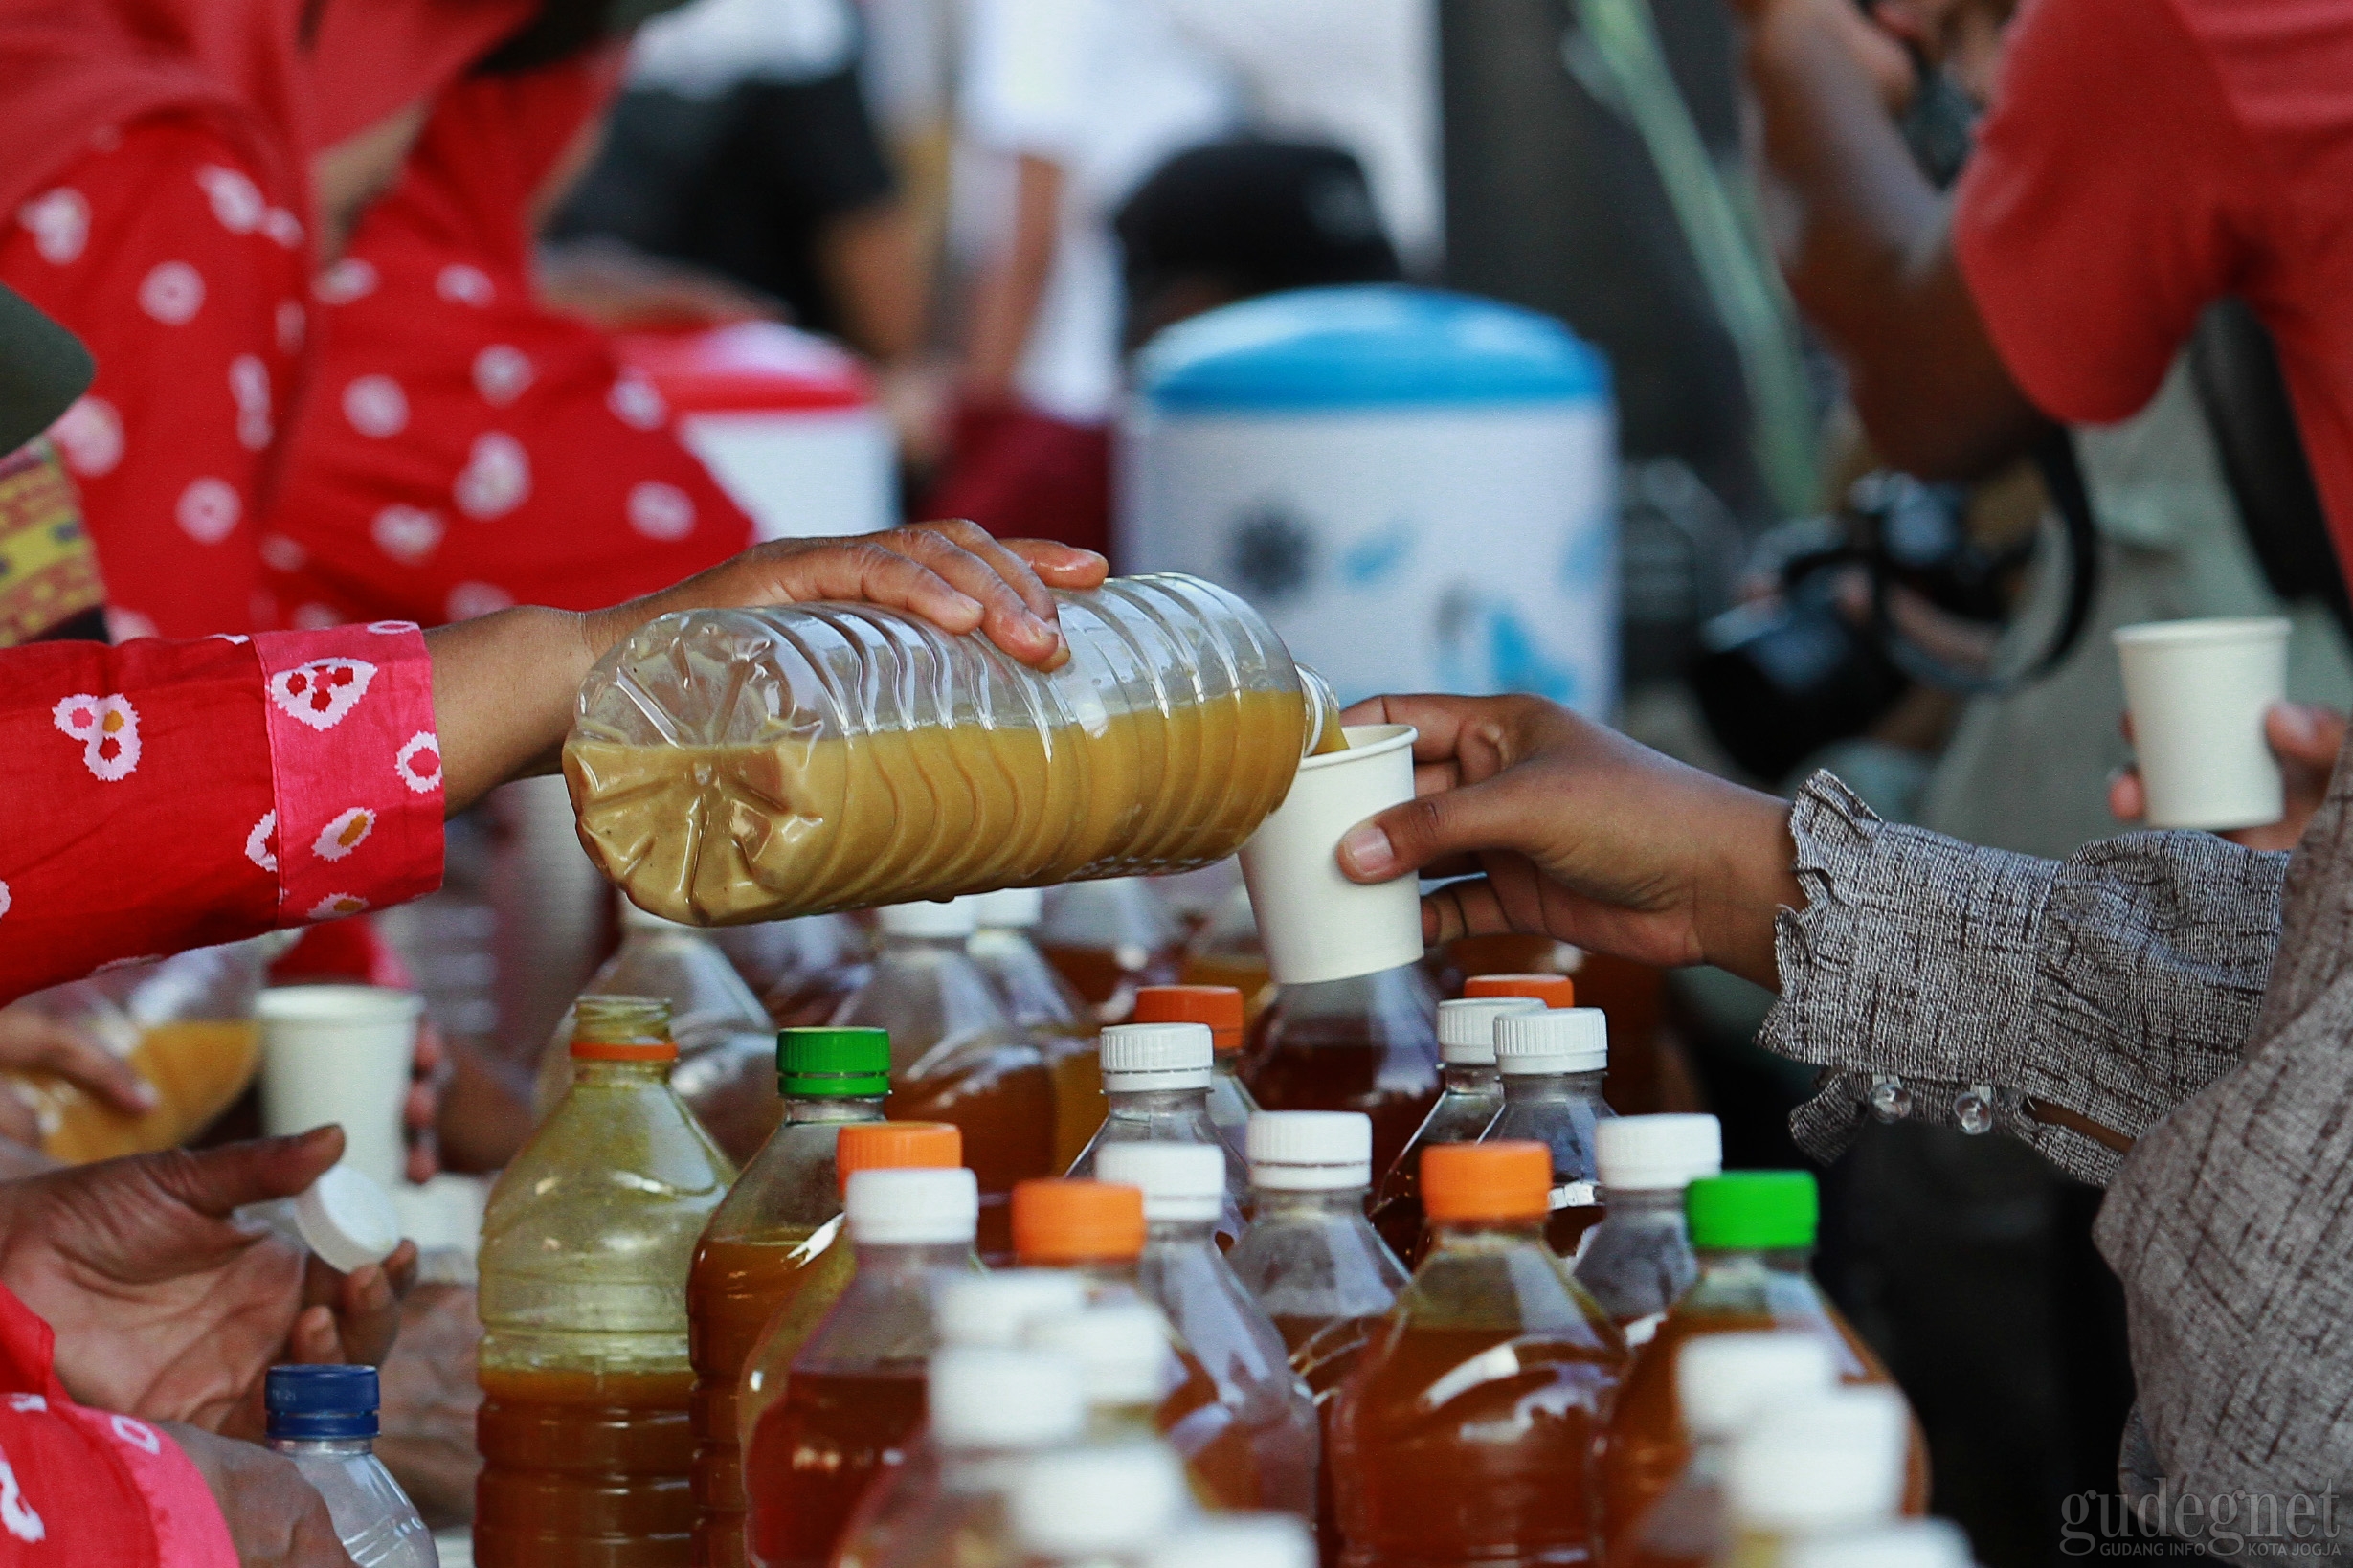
468, 449
163, 249
165, 796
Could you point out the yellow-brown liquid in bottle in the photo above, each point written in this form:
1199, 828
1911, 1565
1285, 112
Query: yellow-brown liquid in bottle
1075, 1062
815, 1451
735, 1288
1003, 1101
1647, 1447
197, 1067
583, 1469
719, 834
1385, 1067
1324, 1351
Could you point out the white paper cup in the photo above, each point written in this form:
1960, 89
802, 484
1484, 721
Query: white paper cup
2197, 691
1316, 924
340, 1053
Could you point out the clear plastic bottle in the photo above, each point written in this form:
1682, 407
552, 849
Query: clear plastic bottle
860, 1145
1823, 1468
1552, 1062
1227, 951
1638, 1261
725, 1039
1109, 938
801, 968
1238, 1540
323, 1417
1314, 1263
1184, 1272
1157, 1079
1039, 999
762, 1245
989, 1410
1095, 1508
1907, 1543
1467, 1107
1752, 1233
587, 1243
1218, 1008
1468, 1431
1096, 1230
724, 761
957, 1055
1725, 1382
855, 1396
1368, 1043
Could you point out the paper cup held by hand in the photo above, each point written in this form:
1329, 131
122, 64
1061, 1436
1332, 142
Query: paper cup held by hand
1316, 924
348, 1220
341, 1054
2197, 691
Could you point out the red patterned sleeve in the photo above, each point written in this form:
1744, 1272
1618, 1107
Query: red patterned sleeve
163, 795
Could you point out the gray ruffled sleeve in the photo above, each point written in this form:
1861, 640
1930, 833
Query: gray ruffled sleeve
2071, 1002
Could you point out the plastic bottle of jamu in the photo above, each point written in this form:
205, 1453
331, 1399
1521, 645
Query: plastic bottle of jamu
1553, 1062
1100, 1508
1221, 1010
1466, 1109
1036, 998
1814, 1470
1638, 1261
1157, 1079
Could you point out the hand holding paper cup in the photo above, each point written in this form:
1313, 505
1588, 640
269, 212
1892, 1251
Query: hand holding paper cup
2197, 691
340, 1053
1316, 924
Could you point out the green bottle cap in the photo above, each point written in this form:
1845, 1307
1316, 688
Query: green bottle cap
1743, 1211
844, 1063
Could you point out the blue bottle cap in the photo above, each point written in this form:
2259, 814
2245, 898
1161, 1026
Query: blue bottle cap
321, 1402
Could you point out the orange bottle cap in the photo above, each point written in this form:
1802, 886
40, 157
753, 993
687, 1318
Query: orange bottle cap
1218, 1006
1509, 1179
1552, 990
1063, 1222
897, 1146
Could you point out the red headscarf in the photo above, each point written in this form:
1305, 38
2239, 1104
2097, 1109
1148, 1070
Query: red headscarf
374, 57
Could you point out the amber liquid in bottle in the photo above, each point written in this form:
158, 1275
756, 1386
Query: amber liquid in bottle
815, 1453
1003, 1102
1368, 1043
1324, 1351
736, 1288
583, 1470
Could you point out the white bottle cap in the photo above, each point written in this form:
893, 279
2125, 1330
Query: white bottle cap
1466, 1027
952, 921
1548, 1040
1122, 1349
1004, 1398
1156, 1055
1087, 1503
1724, 1380
1819, 1464
1663, 1153
1180, 1182
996, 1309
1311, 1151
1015, 907
1240, 1540
912, 1208
1908, 1543
348, 1220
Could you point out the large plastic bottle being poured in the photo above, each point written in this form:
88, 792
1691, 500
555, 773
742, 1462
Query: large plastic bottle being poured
737, 765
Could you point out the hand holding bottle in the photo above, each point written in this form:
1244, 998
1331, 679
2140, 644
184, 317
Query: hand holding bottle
1580, 834
275, 1518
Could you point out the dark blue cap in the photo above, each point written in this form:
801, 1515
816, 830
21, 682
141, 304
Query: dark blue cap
321, 1402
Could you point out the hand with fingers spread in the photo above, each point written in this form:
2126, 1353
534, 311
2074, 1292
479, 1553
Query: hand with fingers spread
1570, 830
2304, 736
31, 1040
164, 1308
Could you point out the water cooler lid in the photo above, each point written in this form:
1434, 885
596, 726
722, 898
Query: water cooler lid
1366, 345
748, 368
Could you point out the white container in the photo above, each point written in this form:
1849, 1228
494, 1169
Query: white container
1416, 490
341, 1054
785, 421
2197, 691
1315, 924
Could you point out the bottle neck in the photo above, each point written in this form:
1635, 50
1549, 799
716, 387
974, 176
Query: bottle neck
1181, 1234
1644, 1203
1471, 1077
1529, 1088
910, 1265
1138, 1104
1328, 1205
1739, 1262
339, 1447
596, 1072
1485, 1235
842, 1108
1226, 1064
